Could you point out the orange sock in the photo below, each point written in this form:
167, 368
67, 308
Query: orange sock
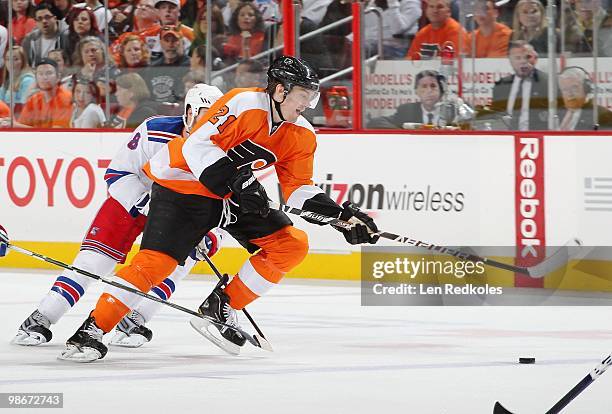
239, 294
108, 312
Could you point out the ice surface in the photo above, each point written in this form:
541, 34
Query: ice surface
331, 356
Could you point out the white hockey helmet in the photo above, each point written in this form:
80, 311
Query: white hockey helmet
199, 96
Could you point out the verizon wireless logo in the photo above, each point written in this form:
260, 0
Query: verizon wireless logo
598, 193
377, 196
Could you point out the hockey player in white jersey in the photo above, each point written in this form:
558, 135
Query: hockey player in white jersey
119, 221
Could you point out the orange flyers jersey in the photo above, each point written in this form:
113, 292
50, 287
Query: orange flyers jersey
237, 131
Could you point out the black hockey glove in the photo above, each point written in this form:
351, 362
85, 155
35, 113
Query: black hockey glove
249, 193
363, 225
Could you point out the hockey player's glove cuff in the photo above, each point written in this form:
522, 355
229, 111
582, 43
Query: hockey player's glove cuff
249, 193
363, 225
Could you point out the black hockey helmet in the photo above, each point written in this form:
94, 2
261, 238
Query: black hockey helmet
290, 71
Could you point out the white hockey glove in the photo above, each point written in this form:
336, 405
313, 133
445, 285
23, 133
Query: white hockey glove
141, 206
209, 245
4, 241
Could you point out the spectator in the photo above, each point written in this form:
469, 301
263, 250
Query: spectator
315, 10
313, 50
81, 23
400, 23
576, 113
89, 58
246, 33
529, 24
5, 113
579, 30
134, 104
105, 86
168, 11
200, 28
429, 89
441, 30
492, 37
51, 107
62, 7
103, 17
190, 10
3, 43
86, 112
172, 51
249, 74
164, 76
197, 63
192, 78
523, 96
269, 9
61, 58
335, 39
23, 23
133, 52
46, 37
22, 76
146, 16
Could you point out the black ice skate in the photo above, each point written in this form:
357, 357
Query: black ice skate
86, 344
131, 331
217, 307
34, 330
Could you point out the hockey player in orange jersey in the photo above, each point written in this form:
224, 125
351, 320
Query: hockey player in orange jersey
206, 180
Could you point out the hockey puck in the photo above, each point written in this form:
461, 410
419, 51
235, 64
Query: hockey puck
526, 360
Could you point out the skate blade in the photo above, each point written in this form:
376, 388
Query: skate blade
28, 339
210, 331
133, 341
74, 354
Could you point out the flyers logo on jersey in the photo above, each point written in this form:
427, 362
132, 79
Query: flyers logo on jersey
249, 153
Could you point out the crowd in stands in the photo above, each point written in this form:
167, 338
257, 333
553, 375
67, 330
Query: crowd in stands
60, 72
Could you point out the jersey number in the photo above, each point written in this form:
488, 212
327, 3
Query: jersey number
220, 113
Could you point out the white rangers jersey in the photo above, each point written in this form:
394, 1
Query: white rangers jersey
126, 181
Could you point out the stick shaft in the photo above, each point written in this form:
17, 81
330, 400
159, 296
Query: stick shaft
401, 239
44, 258
581, 386
246, 313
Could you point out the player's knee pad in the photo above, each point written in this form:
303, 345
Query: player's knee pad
295, 243
147, 269
284, 249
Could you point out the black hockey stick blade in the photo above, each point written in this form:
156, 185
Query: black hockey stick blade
499, 409
255, 341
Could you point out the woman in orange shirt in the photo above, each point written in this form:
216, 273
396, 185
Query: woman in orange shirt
23, 23
246, 33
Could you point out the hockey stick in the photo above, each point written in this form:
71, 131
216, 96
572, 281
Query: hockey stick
214, 268
553, 262
573, 393
254, 340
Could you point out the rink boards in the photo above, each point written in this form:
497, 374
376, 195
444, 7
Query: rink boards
459, 190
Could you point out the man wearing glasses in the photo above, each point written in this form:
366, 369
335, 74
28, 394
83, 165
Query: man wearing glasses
46, 37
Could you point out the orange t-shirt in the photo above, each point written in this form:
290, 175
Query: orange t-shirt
449, 32
39, 113
5, 111
493, 46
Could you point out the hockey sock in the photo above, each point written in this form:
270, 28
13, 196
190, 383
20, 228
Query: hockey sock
108, 312
148, 308
69, 287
